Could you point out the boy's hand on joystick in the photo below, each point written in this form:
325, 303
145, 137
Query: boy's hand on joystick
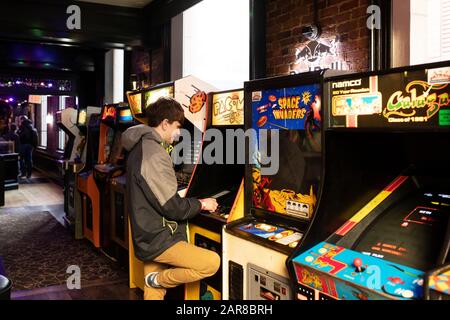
209, 204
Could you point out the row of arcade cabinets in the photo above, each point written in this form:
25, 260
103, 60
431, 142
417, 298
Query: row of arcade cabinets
282, 184
205, 109
382, 227
74, 123
103, 211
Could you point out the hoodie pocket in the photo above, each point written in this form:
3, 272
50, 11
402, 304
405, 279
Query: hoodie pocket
171, 225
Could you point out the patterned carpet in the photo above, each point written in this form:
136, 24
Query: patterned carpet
37, 251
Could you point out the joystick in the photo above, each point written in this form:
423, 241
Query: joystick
358, 264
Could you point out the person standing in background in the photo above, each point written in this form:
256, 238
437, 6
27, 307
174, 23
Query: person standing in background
28, 141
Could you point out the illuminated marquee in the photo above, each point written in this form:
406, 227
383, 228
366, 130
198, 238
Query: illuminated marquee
228, 108
405, 108
109, 113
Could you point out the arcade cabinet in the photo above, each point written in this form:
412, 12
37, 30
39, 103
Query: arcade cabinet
66, 120
191, 93
89, 193
279, 201
118, 199
72, 198
222, 180
10, 159
110, 164
381, 226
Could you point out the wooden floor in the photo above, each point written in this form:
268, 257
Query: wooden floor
49, 197
34, 194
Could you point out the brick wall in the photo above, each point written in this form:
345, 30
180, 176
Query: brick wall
342, 20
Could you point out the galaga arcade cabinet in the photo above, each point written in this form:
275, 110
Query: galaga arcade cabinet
382, 223
280, 194
220, 177
72, 166
191, 93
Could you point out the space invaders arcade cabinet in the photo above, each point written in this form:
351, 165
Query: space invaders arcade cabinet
385, 206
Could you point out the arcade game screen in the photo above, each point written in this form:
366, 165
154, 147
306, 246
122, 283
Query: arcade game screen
410, 232
296, 113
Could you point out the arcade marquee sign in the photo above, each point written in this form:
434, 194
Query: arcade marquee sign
407, 99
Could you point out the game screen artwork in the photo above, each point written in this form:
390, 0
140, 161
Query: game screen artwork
296, 114
413, 99
135, 101
410, 232
153, 95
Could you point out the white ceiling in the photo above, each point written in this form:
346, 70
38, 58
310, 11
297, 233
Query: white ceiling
122, 3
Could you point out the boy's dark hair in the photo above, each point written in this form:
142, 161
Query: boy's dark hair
13, 127
164, 108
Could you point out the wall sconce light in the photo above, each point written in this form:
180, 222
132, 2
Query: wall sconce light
49, 119
312, 32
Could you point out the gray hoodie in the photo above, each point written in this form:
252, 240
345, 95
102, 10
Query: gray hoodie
158, 215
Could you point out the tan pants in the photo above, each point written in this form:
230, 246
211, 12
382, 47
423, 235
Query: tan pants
180, 264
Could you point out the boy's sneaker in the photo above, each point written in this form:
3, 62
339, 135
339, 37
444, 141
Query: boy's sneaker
150, 280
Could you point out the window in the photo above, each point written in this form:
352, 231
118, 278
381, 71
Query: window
430, 31
61, 133
216, 42
43, 122
420, 31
